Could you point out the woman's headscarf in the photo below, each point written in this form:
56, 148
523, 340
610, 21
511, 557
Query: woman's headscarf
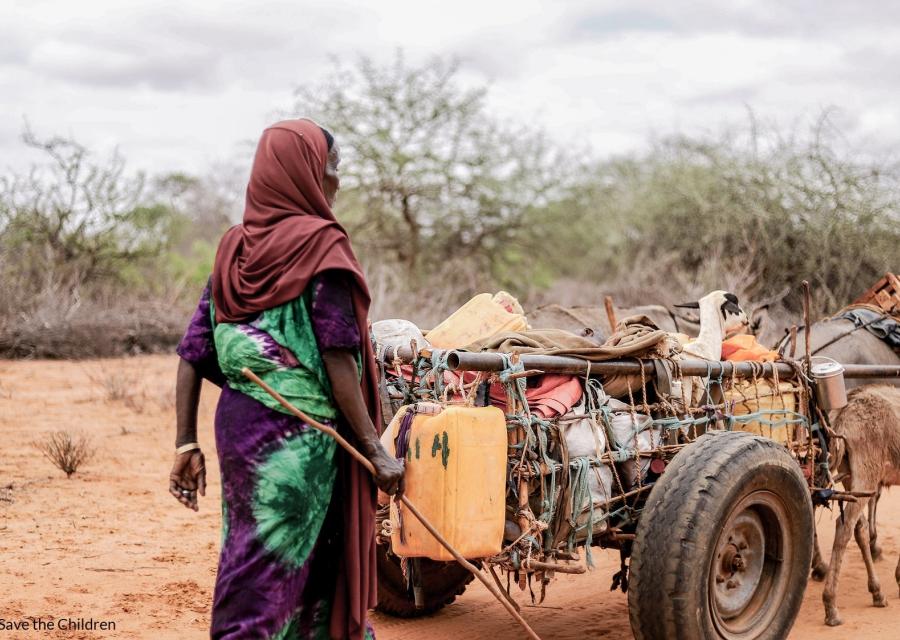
288, 235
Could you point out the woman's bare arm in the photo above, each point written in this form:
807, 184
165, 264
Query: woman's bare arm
188, 475
187, 400
340, 364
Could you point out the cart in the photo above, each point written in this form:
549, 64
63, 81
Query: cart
709, 503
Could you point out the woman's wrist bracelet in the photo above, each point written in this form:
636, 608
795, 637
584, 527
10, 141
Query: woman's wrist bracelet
190, 446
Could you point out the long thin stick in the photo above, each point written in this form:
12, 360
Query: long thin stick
365, 462
610, 312
806, 324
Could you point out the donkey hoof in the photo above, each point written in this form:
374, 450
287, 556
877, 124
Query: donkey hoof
879, 600
876, 552
818, 573
833, 620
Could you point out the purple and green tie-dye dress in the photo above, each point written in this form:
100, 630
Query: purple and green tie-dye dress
281, 527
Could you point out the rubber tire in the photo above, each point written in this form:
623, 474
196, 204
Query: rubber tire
668, 596
441, 582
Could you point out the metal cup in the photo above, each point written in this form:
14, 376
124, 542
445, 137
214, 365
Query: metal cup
830, 387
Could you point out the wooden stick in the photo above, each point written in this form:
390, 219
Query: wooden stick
610, 313
793, 340
807, 326
536, 565
365, 462
525, 374
502, 590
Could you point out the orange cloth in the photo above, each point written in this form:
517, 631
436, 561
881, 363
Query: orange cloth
745, 347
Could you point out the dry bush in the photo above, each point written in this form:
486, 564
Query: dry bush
66, 451
769, 210
120, 387
82, 272
61, 325
117, 387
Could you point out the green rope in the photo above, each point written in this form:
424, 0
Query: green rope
581, 494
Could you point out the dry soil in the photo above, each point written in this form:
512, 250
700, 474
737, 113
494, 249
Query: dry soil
111, 544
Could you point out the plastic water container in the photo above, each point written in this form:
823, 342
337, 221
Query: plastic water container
456, 476
478, 319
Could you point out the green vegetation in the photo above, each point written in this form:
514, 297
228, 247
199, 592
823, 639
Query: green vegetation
443, 199
755, 215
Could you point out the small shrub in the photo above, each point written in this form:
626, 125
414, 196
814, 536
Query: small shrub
117, 387
122, 388
66, 451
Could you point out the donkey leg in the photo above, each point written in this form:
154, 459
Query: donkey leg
873, 530
861, 532
819, 567
897, 574
843, 529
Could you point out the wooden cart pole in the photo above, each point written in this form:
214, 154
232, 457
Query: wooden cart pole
365, 462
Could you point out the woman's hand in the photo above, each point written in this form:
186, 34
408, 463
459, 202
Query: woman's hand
188, 476
388, 472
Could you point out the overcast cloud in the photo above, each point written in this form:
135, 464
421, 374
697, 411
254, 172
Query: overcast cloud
180, 85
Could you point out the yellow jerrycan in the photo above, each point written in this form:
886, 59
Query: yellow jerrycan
456, 476
480, 318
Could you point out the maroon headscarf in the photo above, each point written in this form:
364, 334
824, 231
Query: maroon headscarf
288, 235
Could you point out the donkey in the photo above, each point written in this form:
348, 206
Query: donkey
840, 339
868, 452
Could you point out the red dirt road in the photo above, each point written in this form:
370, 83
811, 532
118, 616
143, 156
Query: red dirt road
112, 544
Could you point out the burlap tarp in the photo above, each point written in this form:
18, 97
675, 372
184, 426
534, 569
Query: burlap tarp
634, 337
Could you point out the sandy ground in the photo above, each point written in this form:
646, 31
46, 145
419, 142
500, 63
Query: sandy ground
111, 544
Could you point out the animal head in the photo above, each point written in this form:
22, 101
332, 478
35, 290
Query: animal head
732, 317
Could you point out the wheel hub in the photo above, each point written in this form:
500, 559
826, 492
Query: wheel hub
746, 565
740, 563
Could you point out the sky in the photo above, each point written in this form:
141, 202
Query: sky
186, 85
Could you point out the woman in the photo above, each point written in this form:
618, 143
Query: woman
287, 298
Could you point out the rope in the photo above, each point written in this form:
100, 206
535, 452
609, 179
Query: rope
559, 488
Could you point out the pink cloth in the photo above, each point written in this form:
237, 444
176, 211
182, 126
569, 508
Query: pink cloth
555, 394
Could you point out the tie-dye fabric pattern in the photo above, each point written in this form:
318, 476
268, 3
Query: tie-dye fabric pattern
280, 347
281, 529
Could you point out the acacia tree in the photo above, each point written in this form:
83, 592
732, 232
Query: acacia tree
429, 179
74, 220
761, 209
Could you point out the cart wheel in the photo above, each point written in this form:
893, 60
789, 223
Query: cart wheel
723, 546
441, 583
